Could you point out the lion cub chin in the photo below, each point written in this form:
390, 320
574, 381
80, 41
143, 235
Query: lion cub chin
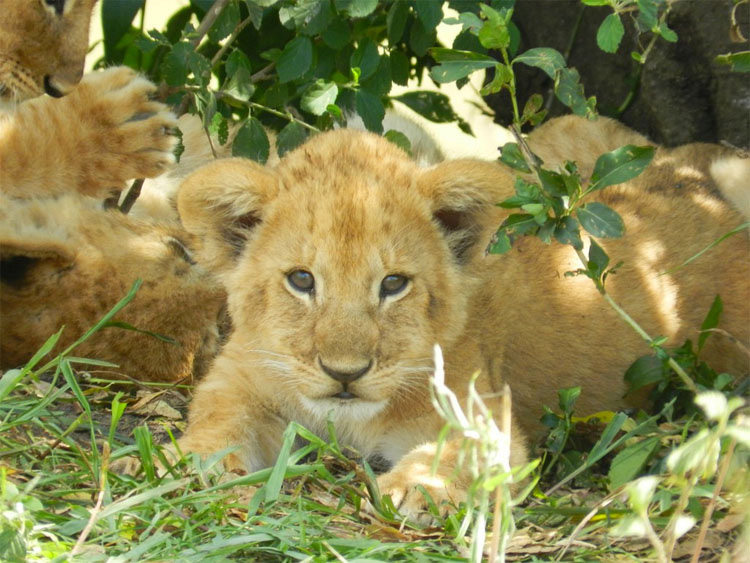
345, 263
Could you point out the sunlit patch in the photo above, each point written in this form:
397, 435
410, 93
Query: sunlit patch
661, 288
689, 173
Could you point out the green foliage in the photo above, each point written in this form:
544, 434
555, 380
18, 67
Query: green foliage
649, 17
289, 65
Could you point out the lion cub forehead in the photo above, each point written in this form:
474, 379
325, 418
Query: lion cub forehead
348, 163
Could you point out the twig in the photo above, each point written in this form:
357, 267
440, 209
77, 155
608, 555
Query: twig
208, 20
99, 500
130, 198
228, 43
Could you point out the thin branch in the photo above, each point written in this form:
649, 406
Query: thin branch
208, 20
228, 43
133, 193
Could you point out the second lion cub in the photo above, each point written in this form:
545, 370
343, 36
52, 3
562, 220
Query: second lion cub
345, 264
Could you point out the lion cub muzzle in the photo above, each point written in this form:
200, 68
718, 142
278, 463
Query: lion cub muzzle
345, 376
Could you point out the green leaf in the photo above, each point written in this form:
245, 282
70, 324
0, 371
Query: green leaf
569, 91
457, 64
544, 58
308, 17
666, 33
526, 192
319, 96
366, 58
399, 68
567, 232
711, 321
226, 22
251, 141
644, 371
494, 36
396, 22
295, 59
370, 108
380, 81
220, 128
503, 76
290, 137
182, 61
600, 449
610, 33
553, 182
430, 105
399, 139
239, 86
739, 62
117, 16
597, 260
648, 15
337, 35
511, 155
356, 8
620, 165
566, 399
500, 243
600, 220
421, 38
429, 14
520, 224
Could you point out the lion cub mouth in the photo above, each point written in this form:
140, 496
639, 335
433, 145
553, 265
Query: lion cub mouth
345, 395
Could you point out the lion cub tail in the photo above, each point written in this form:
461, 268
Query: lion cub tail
732, 176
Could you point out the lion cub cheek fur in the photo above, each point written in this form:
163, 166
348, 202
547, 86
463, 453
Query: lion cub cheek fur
352, 209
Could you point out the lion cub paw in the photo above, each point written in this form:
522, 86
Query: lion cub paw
119, 132
407, 484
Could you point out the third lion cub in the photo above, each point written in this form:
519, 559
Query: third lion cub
346, 262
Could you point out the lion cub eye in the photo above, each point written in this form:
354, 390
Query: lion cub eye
57, 5
301, 280
393, 284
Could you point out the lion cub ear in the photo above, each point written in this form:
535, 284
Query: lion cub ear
462, 193
222, 203
20, 261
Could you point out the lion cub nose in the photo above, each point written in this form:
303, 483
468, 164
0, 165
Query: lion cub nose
345, 375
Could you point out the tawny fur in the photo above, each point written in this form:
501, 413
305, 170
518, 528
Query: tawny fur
351, 209
66, 262
105, 132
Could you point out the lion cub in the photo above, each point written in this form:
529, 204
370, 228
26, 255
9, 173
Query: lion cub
345, 264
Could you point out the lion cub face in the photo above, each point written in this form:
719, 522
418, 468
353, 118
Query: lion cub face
65, 262
342, 265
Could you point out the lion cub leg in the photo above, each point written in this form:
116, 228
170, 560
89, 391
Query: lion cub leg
105, 132
228, 412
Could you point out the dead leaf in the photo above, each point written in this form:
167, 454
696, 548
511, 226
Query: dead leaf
158, 408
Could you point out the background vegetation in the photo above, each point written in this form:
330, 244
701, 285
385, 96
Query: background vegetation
671, 484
